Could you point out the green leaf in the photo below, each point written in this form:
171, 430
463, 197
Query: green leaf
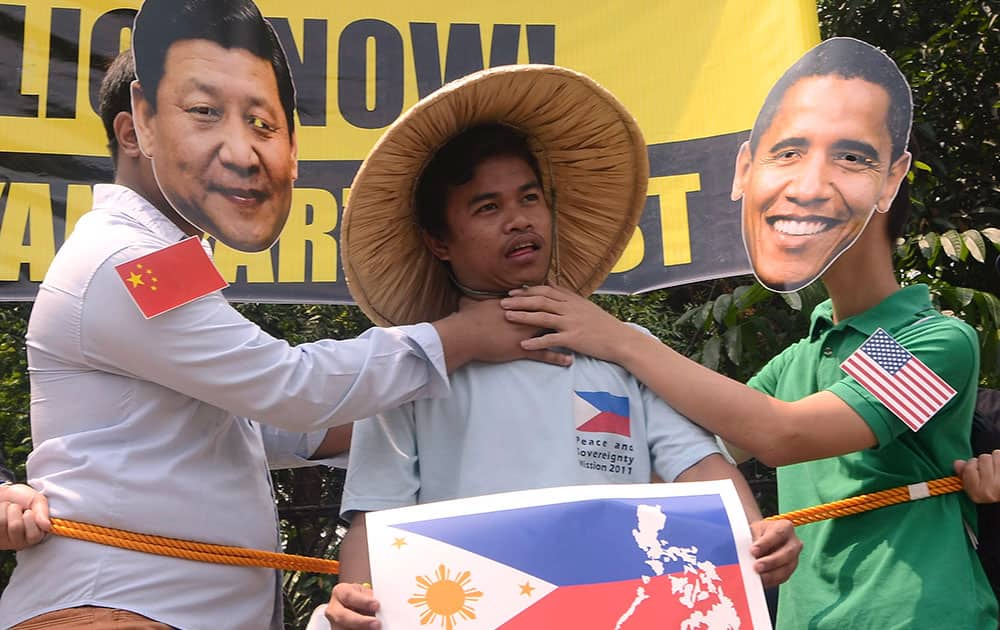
974, 242
701, 315
721, 308
929, 244
686, 315
734, 344
993, 234
750, 295
963, 296
952, 297
793, 300
904, 249
951, 243
922, 166
990, 305
710, 353
739, 292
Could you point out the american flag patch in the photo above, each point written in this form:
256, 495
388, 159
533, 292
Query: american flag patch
900, 381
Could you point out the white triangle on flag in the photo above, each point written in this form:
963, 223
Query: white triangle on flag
418, 578
583, 411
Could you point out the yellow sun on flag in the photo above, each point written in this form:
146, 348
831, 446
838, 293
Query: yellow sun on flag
445, 597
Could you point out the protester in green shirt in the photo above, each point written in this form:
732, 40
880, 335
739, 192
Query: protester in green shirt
823, 165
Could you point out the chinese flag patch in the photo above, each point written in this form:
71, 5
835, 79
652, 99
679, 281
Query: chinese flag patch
170, 277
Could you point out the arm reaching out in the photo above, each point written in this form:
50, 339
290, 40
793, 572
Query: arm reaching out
352, 603
479, 331
775, 432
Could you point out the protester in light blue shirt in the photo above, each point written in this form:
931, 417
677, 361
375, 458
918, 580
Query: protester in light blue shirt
483, 185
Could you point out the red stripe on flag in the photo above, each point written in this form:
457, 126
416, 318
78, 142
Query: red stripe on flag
874, 383
905, 395
929, 382
915, 381
607, 422
901, 393
932, 380
606, 605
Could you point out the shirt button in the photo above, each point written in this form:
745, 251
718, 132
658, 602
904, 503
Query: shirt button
828, 352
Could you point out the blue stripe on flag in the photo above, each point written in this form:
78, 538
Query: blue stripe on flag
606, 402
586, 542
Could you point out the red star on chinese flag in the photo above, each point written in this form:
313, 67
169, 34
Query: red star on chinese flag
170, 277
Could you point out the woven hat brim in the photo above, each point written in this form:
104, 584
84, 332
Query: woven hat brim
594, 166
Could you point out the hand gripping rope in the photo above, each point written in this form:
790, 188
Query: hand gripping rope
223, 554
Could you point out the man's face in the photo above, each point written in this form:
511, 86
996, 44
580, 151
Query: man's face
818, 172
222, 152
499, 228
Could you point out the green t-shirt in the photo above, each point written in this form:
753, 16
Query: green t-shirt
905, 566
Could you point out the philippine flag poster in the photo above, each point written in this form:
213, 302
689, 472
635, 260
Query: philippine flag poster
617, 557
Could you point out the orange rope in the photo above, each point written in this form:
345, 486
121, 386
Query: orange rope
865, 502
190, 550
223, 554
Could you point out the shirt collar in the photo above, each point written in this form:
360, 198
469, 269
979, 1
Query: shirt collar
911, 299
125, 200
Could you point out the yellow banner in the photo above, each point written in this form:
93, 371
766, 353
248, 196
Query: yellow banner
689, 72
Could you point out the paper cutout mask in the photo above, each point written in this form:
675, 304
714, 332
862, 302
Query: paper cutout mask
828, 149
213, 108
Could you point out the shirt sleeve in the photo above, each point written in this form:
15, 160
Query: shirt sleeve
947, 346
208, 351
288, 449
382, 470
766, 380
675, 443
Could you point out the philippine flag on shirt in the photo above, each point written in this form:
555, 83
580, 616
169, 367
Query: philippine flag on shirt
601, 412
610, 563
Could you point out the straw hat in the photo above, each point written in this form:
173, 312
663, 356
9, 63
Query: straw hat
593, 164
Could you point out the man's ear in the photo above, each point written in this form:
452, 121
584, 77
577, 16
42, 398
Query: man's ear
894, 180
436, 244
124, 128
741, 171
295, 156
142, 117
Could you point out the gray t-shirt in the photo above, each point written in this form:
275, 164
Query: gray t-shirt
519, 426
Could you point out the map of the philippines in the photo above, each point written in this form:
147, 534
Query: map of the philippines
609, 564
698, 587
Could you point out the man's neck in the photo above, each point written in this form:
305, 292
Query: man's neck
155, 197
861, 278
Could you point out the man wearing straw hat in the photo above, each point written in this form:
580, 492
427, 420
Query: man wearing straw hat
512, 176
